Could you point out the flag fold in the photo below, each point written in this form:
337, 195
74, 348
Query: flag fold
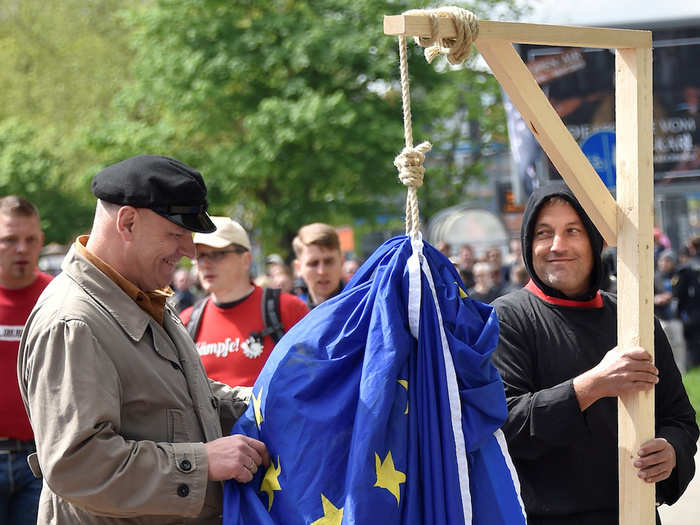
382, 406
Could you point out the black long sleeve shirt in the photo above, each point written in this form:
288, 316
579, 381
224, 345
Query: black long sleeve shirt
566, 458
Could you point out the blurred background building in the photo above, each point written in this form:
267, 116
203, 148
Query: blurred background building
580, 85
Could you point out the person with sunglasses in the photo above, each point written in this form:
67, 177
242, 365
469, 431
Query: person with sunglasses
230, 328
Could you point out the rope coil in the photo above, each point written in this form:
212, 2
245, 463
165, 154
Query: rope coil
410, 161
456, 49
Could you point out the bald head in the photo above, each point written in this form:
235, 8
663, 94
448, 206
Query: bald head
141, 245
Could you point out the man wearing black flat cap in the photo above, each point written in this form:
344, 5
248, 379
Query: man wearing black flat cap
127, 424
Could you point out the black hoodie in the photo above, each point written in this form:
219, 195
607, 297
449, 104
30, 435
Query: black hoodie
567, 459
538, 198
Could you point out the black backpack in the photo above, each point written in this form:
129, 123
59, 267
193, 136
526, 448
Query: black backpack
272, 320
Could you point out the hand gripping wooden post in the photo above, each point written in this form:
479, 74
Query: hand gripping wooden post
626, 223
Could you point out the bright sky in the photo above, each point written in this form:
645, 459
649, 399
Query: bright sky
582, 12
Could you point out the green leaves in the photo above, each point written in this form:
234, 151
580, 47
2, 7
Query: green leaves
290, 108
30, 170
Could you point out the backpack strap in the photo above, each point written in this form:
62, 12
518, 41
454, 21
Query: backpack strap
271, 314
196, 317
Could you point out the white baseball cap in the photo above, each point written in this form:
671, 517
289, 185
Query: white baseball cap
227, 232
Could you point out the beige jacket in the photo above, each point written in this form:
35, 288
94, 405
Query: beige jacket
120, 407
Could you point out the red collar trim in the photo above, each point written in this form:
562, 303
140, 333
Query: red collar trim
596, 302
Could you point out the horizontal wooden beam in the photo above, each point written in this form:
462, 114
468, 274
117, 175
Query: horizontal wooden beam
542, 34
551, 133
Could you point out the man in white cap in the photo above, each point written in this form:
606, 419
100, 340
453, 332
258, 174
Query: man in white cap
238, 324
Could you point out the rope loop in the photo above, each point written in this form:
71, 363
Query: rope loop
410, 164
456, 49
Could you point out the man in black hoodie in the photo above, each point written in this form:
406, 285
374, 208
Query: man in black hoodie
562, 373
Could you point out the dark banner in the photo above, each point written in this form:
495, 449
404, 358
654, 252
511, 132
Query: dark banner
580, 86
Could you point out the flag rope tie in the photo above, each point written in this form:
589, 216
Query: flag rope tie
410, 161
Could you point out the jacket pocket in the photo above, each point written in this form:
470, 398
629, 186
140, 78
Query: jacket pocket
177, 428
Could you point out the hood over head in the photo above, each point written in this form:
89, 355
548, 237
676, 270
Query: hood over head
537, 199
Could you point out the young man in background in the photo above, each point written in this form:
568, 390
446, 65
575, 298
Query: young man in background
21, 283
319, 262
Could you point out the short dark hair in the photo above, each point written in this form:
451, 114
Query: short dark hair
318, 233
18, 207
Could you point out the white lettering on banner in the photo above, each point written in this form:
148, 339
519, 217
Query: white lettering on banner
673, 138
673, 143
676, 125
581, 132
11, 332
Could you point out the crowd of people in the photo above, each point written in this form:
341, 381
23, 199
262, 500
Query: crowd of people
123, 376
677, 297
490, 275
676, 285
314, 277
319, 270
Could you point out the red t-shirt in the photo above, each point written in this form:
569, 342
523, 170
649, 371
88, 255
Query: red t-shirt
15, 306
229, 353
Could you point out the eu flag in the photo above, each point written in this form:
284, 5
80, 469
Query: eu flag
382, 406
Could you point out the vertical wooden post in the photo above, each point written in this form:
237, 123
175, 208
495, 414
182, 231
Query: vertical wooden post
630, 225
635, 309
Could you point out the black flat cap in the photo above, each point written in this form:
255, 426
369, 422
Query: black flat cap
167, 186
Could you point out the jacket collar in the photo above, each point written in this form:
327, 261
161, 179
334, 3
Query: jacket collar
153, 303
107, 294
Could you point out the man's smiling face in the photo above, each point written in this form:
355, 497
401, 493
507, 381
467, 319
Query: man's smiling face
562, 255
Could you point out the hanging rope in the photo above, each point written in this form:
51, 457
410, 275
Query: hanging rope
410, 161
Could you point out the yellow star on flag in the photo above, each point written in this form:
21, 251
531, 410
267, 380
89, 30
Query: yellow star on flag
404, 383
270, 482
388, 477
256, 408
331, 514
462, 293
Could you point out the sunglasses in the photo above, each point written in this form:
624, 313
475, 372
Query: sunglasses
219, 255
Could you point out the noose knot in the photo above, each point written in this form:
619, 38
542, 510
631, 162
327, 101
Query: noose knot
456, 49
410, 164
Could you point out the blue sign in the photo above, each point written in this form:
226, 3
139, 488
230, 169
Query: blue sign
600, 150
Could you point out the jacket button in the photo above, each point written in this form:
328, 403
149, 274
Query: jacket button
185, 465
175, 365
183, 490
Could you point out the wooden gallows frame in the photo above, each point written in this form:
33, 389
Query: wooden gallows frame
626, 223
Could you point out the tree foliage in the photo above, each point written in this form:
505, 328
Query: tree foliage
63, 62
291, 108
30, 170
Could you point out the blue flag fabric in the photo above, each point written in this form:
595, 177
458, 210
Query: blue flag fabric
382, 406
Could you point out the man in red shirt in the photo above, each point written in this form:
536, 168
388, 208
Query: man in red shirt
229, 337
21, 284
